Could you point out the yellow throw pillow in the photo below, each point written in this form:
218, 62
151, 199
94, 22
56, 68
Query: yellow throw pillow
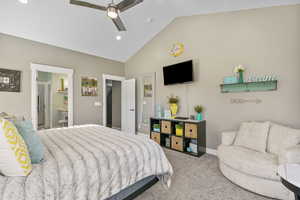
15, 159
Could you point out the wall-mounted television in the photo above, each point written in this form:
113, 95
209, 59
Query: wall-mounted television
178, 73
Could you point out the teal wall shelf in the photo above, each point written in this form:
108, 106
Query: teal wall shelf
249, 87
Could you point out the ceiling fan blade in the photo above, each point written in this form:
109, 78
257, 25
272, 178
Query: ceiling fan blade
119, 24
87, 4
126, 4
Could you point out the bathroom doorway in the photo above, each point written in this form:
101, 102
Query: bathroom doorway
52, 97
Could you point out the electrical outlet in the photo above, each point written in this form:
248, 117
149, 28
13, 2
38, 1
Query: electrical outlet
97, 104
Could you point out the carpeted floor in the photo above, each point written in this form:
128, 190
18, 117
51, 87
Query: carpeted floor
197, 179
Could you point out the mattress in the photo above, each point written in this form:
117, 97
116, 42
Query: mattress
88, 162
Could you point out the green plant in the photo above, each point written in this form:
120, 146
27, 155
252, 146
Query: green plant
173, 99
198, 109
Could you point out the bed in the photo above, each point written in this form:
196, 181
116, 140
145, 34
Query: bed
90, 162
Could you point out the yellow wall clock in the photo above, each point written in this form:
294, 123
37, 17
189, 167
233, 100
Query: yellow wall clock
177, 49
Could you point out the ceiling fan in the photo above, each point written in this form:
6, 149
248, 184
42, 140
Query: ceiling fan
112, 9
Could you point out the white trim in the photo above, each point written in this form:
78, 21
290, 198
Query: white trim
52, 69
211, 151
104, 78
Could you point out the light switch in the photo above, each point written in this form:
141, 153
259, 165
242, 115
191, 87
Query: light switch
97, 104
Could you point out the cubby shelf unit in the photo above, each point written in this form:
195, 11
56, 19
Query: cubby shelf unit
194, 132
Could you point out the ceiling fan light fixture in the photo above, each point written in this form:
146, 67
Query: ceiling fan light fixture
23, 1
112, 12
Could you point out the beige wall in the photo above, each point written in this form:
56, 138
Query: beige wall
17, 53
266, 41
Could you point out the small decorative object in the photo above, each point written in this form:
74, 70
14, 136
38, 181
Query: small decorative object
148, 89
158, 111
230, 80
89, 86
192, 117
240, 71
156, 127
199, 110
179, 129
193, 147
168, 142
66, 99
62, 84
10, 80
177, 49
173, 101
167, 114
241, 101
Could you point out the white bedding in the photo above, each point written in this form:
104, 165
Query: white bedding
88, 162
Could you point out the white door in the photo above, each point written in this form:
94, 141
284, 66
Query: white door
128, 106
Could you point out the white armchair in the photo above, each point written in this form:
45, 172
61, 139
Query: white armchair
257, 171
228, 138
290, 155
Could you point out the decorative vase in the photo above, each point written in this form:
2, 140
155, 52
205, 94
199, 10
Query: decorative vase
199, 116
241, 77
62, 84
174, 109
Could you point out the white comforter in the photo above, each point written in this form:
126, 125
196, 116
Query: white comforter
87, 162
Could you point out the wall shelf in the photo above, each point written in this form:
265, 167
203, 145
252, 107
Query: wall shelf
249, 86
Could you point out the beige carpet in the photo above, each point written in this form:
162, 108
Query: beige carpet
197, 179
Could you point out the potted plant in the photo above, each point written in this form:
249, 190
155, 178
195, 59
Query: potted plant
240, 71
199, 109
173, 101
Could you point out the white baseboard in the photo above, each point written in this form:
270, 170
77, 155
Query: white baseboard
211, 151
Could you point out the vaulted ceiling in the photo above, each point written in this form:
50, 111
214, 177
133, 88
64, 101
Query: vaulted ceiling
90, 31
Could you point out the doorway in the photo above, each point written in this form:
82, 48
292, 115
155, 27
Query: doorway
44, 105
52, 96
119, 103
113, 104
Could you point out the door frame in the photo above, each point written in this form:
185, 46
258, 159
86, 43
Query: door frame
51, 69
48, 98
104, 104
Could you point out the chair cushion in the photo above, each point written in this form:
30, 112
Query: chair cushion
15, 159
281, 138
32, 140
263, 165
253, 135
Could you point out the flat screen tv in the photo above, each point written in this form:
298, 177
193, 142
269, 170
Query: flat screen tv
178, 73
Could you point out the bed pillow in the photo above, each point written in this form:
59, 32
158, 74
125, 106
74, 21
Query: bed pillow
32, 140
15, 159
253, 135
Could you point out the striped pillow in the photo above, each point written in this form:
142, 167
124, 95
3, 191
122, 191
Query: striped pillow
15, 159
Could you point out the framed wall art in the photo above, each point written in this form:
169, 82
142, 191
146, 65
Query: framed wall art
10, 80
89, 86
